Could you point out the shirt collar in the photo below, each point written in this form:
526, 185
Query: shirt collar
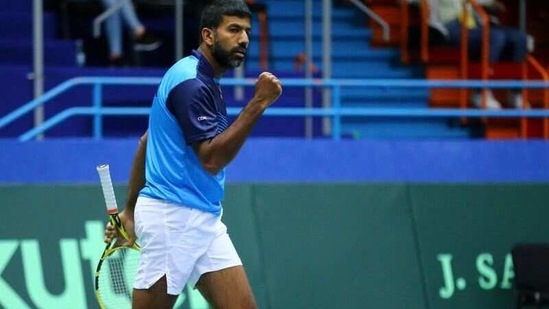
204, 65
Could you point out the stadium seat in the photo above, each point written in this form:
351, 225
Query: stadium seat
531, 267
447, 62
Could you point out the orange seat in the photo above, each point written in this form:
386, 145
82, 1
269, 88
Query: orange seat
446, 62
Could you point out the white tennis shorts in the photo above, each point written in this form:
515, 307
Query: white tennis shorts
180, 242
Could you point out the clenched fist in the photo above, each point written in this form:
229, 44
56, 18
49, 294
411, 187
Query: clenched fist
267, 89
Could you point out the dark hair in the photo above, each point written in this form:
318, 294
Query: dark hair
213, 13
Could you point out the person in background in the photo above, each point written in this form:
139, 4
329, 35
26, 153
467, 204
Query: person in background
142, 39
506, 43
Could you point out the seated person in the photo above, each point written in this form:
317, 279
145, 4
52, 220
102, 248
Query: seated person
143, 40
506, 43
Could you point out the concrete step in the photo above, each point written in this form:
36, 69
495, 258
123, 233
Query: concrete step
341, 70
20, 25
20, 51
288, 29
295, 8
403, 128
377, 71
349, 50
384, 102
16, 6
355, 95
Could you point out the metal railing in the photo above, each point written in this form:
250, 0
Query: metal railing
335, 112
386, 30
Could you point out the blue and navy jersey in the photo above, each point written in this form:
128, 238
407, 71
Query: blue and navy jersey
187, 108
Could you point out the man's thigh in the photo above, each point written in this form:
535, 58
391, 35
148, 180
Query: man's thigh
228, 288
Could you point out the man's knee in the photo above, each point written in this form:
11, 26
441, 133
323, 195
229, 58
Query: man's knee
517, 37
497, 38
517, 42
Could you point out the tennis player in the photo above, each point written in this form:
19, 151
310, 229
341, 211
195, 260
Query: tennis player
177, 179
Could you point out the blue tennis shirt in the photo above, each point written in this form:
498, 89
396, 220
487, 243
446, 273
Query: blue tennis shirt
187, 108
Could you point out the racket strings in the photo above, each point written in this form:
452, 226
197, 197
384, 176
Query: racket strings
116, 278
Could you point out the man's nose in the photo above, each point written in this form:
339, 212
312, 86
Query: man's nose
244, 39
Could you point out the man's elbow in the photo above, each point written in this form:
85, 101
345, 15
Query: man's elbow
210, 160
143, 138
213, 168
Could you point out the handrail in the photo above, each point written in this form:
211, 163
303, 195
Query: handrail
464, 45
425, 10
485, 48
98, 111
464, 58
380, 21
296, 112
404, 37
545, 77
263, 19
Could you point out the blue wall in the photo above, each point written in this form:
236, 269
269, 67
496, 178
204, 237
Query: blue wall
296, 160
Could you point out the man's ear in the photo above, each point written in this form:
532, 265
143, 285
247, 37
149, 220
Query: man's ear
207, 36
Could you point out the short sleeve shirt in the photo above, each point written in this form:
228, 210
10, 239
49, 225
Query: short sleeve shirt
187, 108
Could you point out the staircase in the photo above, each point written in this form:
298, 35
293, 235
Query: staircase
354, 56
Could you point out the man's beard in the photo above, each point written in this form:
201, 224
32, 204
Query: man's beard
224, 57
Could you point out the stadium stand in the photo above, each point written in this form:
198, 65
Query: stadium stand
358, 52
422, 43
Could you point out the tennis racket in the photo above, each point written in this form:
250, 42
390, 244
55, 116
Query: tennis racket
116, 269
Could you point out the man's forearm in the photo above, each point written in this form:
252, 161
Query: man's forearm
216, 153
221, 150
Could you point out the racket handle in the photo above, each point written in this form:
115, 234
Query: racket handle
108, 190
110, 200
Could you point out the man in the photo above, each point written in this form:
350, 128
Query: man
188, 144
506, 43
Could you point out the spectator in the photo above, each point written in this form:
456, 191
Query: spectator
143, 40
506, 43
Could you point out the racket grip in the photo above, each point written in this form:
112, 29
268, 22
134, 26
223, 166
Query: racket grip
108, 190
116, 223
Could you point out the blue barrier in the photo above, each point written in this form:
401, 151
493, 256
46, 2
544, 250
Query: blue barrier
335, 111
291, 160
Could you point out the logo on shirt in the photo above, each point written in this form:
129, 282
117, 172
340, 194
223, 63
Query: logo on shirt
201, 118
